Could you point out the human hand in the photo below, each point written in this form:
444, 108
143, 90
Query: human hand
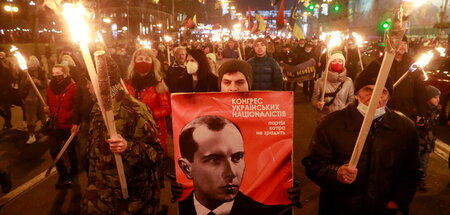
392, 205
346, 174
117, 145
320, 105
420, 121
175, 188
36, 81
47, 109
75, 129
294, 194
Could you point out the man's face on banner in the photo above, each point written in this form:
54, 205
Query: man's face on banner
218, 164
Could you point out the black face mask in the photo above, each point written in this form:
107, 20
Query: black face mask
58, 78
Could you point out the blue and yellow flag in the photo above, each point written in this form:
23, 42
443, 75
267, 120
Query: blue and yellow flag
298, 31
261, 24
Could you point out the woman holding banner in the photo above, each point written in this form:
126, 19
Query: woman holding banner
339, 88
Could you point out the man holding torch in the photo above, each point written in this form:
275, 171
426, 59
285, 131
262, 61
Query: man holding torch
136, 142
384, 181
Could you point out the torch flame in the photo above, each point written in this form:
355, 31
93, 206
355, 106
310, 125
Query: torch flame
424, 59
99, 38
335, 40
358, 39
417, 3
441, 51
146, 44
75, 14
20, 59
167, 38
13, 49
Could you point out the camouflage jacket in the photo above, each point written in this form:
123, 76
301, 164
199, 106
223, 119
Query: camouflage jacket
141, 160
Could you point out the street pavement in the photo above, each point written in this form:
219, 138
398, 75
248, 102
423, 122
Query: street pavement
35, 194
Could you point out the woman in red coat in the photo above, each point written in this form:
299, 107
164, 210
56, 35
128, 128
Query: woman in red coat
145, 83
63, 106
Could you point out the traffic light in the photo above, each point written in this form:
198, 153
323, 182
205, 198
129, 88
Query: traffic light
337, 8
385, 24
310, 7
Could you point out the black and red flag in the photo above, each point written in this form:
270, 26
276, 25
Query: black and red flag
280, 16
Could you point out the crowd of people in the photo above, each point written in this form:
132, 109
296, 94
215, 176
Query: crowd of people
384, 180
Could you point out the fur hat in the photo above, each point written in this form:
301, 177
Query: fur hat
236, 66
432, 92
369, 76
264, 41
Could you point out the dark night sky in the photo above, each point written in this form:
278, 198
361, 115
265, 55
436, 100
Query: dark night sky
259, 4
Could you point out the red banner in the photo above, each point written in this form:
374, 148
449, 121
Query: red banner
265, 120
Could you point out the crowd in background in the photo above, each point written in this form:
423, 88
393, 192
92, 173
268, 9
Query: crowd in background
62, 80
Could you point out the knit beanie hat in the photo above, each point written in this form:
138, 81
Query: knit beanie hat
212, 56
369, 76
235, 65
337, 55
432, 92
264, 41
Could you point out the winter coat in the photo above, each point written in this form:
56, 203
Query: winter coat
388, 169
209, 84
141, 161
173, 74
159, 104
344, 97
65, 100
266, 73
230, 53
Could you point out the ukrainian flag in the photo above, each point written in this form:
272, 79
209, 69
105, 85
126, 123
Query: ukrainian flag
298, 31
261, 23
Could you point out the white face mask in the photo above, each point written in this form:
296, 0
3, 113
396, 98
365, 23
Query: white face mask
362, 108
191, 67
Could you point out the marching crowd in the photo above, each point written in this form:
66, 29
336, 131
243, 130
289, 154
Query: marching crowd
384, 181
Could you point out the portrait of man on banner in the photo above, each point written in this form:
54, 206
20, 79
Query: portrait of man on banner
230, 158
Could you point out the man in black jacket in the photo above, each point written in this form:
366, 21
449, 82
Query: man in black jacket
409, 96
177, 69
387, 173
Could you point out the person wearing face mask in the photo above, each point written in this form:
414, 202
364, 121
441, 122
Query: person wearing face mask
34, 110
300, 48
339, 88
198, 76
145, 83
63, 108
385, 178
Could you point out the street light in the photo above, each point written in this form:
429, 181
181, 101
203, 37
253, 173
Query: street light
11, 10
